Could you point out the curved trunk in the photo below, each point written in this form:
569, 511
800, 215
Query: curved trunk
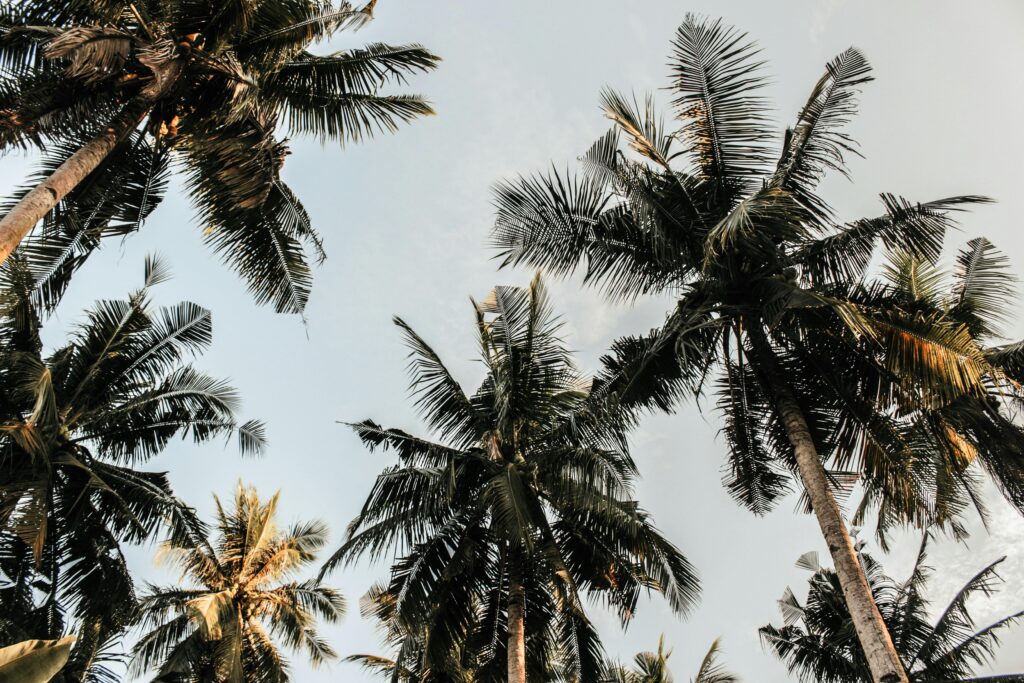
516, 625
875, 641
20, 220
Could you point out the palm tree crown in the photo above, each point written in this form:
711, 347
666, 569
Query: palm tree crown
115, 91
522, 506
816, 643
652, 667
74, 425
239, 598
753, 254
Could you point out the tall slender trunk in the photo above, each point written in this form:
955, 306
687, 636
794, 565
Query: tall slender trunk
516, 622
20, 220
875, 641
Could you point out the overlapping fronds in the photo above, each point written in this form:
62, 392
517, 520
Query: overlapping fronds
816, 642
76, 423
214, 85
241, 600
878, 364
527, 477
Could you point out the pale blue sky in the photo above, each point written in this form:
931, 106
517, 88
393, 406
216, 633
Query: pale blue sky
405, 221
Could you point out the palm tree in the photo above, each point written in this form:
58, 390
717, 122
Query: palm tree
75, 424
948, 442
521, 505
115, 90
815, 366
652, 667
409, 642
817, 642
240, 597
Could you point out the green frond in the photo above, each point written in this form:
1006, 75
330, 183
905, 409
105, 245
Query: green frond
914, 229
547, 221
439, 397
715, 77
983, 288
359, 71
817, 143
345, 117
915, 281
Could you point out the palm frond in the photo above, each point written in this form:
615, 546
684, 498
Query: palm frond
983, 288
817, 142
360, 71
642, 127
91, 53
716, 77
346, 116
439, 396
907, 227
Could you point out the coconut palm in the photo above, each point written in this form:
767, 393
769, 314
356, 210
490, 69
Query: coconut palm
949, 442
114, 91
821, 377
817, 641
75, 424
240, 600
409, 643
521, 505
652, 667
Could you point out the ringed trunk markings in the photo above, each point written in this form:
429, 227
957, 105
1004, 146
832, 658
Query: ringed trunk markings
883, 660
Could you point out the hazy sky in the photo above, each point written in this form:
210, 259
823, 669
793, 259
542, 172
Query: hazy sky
405, 220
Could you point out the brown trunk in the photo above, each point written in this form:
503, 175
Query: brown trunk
516, 625
875, 641
20, 220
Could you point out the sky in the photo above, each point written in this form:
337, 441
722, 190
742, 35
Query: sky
405, 220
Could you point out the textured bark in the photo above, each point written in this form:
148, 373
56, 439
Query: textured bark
516, 626
20, 220
872, 632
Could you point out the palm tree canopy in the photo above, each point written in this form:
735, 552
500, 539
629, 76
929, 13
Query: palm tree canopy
652, 667
817, 641
409, 644
222, 81
75, 424
529, 476
901, 383
239, 601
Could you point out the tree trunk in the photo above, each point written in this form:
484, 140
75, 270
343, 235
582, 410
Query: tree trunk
516, 624
875, 641
20, 220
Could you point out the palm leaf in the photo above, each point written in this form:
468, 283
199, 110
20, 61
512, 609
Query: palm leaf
817, 143
715, 79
